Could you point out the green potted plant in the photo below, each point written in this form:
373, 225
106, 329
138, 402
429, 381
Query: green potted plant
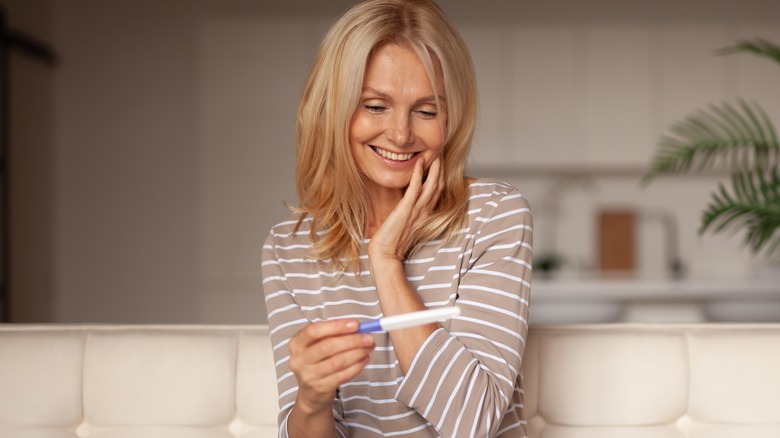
741, 139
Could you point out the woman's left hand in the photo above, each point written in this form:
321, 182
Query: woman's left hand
392, 239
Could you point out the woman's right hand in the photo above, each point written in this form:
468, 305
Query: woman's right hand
325, 355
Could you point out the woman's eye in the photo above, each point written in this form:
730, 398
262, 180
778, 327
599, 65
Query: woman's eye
427, 114
374, 108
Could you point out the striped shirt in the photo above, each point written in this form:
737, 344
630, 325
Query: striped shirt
465, 380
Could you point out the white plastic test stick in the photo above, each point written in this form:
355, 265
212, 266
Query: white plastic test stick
405, 320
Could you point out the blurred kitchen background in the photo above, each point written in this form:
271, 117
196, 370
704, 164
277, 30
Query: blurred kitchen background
147, 162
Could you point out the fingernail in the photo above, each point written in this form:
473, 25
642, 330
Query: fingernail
368, 339
352, 325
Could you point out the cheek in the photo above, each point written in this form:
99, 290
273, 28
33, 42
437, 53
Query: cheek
354, 128
434, 137
437, 133
357, 137
362, 128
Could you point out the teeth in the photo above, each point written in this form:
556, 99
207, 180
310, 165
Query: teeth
393, 156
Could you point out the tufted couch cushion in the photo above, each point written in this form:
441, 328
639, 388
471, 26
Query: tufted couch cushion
136, 381
654, 381
582, 381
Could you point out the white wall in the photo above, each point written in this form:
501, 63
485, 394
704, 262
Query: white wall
174, 145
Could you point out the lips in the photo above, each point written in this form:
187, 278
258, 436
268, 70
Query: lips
392, 155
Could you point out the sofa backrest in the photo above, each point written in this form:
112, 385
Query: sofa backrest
219, 381
137, 381
661, 380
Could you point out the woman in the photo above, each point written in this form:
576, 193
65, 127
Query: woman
389, 224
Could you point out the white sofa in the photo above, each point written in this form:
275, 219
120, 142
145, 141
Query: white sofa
600, 381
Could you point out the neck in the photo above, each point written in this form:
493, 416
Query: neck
380, 205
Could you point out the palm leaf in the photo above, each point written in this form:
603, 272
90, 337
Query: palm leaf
752, 204
757, 46
742, 140
738, 137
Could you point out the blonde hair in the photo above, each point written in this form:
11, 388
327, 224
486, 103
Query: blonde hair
329, 185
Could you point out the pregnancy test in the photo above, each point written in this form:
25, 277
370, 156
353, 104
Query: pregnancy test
405, 320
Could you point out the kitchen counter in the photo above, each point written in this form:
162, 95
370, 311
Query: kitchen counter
654, 300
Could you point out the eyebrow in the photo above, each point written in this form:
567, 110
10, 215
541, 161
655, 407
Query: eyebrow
431, 98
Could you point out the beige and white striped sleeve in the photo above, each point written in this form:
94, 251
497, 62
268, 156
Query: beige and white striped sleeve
463, 378
285, 319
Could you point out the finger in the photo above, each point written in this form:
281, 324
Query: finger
440, 188
313, 373
317, 389
335, 365
328, 384
429, 195
405, 207
335, 345
348, 373
431, 188
314, 332
416, 182
315, 354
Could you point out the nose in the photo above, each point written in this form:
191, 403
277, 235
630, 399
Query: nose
399, 130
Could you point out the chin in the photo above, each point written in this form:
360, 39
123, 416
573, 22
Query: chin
392, 183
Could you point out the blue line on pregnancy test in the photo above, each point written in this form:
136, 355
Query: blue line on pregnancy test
405, 320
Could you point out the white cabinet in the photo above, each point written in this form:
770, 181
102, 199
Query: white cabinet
619, 94
489, 47
567, 96
548, 71
692, 75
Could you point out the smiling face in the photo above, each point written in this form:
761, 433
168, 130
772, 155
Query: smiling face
396, 122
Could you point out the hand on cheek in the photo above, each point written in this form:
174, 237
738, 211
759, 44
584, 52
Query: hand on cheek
392, 240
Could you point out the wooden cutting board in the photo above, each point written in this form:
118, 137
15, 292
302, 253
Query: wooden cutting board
617, 240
